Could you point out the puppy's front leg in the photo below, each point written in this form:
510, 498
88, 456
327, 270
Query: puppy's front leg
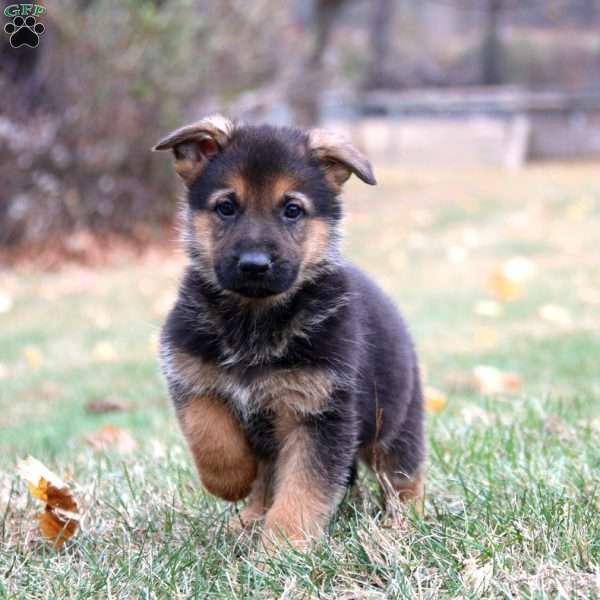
310, 479
225, 461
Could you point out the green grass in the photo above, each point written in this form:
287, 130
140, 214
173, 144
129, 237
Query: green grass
513, 485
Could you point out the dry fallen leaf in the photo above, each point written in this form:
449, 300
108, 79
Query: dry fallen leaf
112, 437
105, 405
488, 308
477, 576
435, 400
490, 380
507, 281
58, 526
60, 518
33, 357
558, 315
104, 351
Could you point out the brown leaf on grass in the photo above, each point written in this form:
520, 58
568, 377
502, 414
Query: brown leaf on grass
435, 400
490, 380
112, 437
60, 518
58, 526
105, 405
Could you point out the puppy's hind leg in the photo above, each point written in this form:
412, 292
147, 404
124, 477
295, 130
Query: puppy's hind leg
398, 464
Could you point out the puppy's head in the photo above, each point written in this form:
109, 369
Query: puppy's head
263, 203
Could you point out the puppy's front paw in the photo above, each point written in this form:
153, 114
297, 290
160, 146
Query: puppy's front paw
284, 528
247, 518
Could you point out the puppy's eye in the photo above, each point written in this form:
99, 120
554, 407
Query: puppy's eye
226, 208
292, 211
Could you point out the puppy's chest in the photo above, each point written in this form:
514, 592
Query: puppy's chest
304, 390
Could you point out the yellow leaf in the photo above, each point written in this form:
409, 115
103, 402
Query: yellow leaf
507, 281
33, 357
505, 289
45, 485
435, 400
490, 380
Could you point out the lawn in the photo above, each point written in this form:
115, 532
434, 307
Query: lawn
491, 269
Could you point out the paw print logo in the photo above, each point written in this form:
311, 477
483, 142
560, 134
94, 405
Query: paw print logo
24, 32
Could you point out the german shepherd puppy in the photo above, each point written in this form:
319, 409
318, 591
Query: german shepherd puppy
285, 363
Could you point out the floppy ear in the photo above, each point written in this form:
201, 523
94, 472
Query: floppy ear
194, 145
339, 158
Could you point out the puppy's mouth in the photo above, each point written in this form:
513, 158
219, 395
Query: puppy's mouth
277, 282
255, 291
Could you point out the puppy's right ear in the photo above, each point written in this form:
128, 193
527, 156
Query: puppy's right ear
194, 145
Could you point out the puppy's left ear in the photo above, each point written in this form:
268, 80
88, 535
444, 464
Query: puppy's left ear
196, 144
339, 158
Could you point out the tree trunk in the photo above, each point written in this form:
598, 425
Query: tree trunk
304, 89
379, 41
491, 48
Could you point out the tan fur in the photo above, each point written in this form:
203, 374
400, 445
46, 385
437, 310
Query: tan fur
316, 244
240, 188
224, 459
282, 184
203, 234
300, 509
303, 391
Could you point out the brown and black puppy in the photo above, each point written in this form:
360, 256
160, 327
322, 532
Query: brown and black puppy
286, 364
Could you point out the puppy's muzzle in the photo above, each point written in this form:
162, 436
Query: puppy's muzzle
254, 265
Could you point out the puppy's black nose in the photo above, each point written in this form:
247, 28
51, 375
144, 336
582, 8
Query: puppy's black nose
254, 264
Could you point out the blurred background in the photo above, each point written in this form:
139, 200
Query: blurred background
482, 121
414, 82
